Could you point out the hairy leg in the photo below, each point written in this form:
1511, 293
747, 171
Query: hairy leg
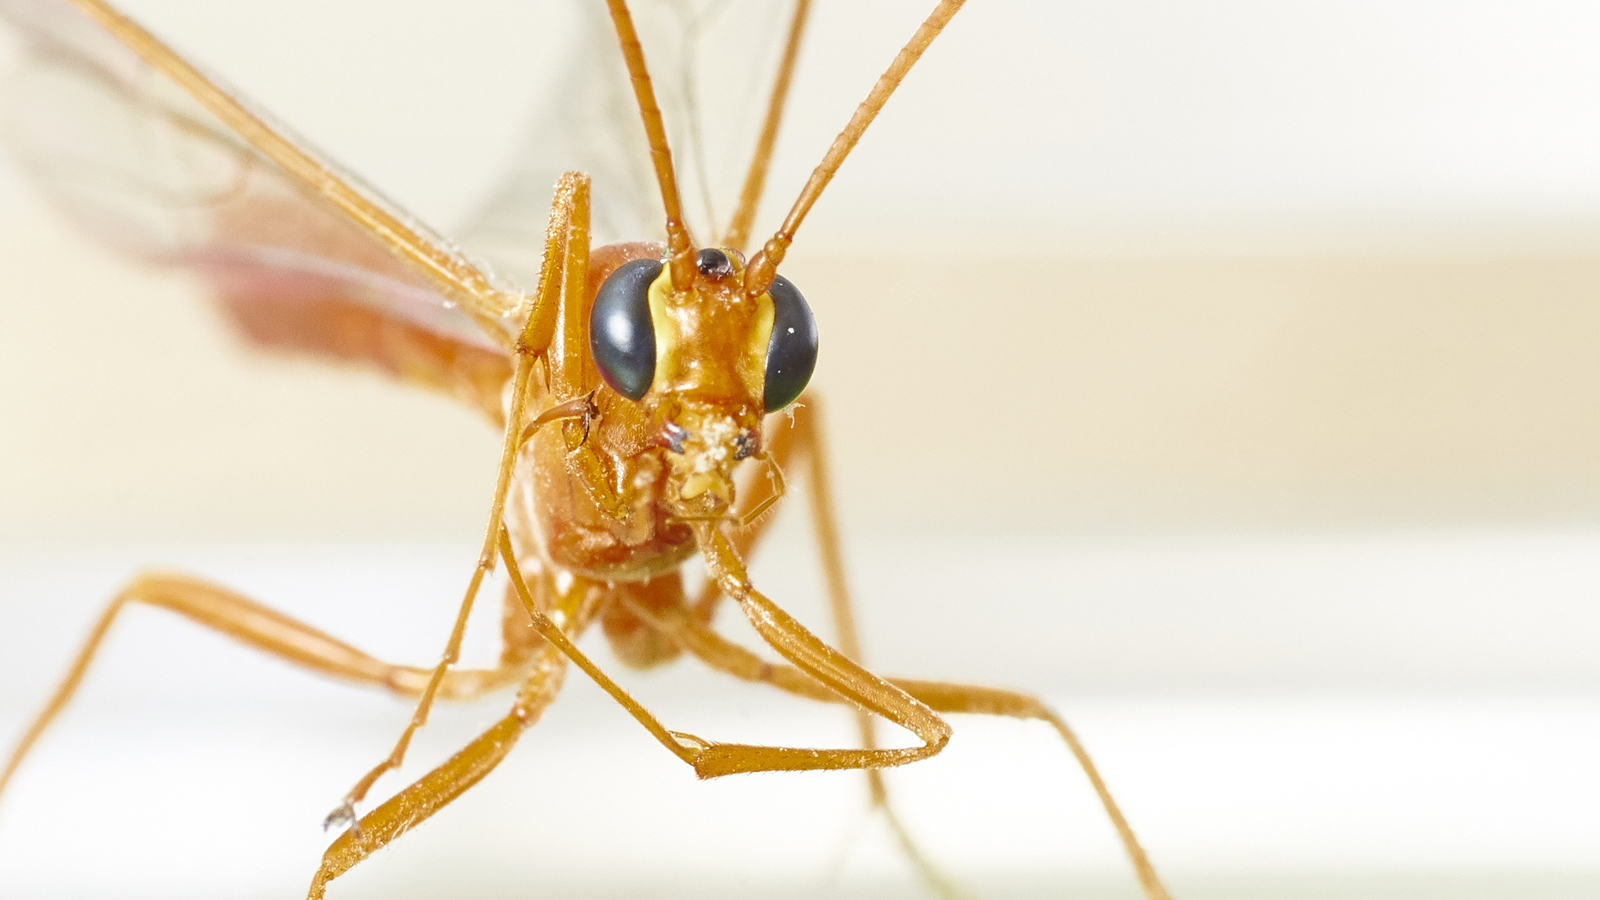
798, 442
563, 277
435, 790
267, 630
726, 656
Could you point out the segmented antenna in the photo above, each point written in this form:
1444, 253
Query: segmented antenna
763, 266
680, 249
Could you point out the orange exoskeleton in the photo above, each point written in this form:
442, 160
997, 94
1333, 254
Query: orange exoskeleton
631, 381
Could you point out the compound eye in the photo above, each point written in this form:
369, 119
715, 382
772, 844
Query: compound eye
792, 350
622, 337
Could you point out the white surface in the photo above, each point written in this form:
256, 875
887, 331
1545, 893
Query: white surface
193, 768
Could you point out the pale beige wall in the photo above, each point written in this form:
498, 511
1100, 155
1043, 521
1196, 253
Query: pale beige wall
1124, 393
1123, 266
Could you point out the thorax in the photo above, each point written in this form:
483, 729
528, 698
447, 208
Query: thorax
592, 505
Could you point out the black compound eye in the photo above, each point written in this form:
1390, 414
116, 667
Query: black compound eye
792, 350
621, 334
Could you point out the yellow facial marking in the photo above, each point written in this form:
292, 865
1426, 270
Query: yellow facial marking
710, 340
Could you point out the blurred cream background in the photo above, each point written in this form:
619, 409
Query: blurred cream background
1225, 372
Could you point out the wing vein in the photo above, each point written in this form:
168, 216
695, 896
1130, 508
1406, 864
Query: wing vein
456, 278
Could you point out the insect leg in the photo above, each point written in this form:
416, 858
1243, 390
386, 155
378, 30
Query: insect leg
724, 655
562, 274
435, 790
972, 699
802, 442
821, 662
267, 630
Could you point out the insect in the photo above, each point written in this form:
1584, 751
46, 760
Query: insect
630, 381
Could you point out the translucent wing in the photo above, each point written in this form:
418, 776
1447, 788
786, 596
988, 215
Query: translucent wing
155, 158
712, 63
